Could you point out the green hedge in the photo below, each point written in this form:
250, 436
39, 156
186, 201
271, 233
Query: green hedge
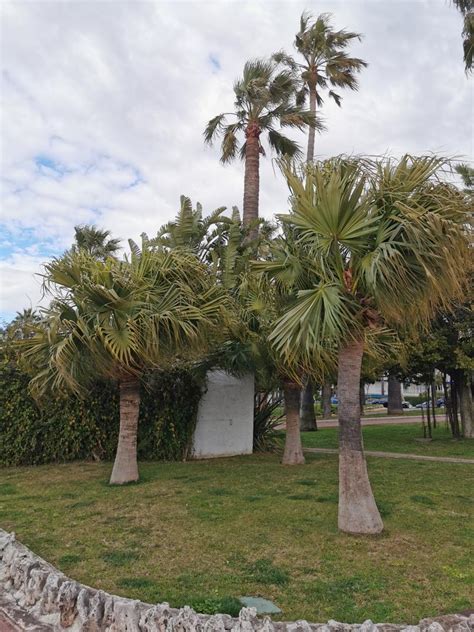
66, 428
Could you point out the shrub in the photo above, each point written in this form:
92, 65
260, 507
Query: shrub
66, 428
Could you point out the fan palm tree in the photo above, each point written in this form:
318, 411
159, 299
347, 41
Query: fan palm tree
264, 102
387, 244
118, 319
325, 64
284, 272
95, 242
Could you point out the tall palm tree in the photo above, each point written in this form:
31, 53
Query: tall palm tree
325, 64
387, 243
118, 319
95, 241
264, 102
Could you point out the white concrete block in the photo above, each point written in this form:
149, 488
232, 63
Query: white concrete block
225, 417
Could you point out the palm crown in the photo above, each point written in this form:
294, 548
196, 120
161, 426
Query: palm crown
264, 100
191, 230
381, 243
119, 318
94, 241
325, 65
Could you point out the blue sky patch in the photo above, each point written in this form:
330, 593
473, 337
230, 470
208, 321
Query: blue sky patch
214, 61
46, 165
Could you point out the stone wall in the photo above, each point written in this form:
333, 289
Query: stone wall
225, 417
35, 597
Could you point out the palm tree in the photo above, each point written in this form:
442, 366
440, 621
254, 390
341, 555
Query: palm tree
283, 273
466, 7
191, 230
119, 319
264, 101
94, 241
325, 64
383, 245
23, 323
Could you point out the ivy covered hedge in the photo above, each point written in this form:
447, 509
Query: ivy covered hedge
66, 428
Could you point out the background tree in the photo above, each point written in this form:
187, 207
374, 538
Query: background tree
394, 396
467, 175
189, 229
94, 241
325, 64
264, 102
22, 325
117, 320
388, 244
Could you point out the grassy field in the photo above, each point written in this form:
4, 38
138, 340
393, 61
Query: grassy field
397, 438
206, 532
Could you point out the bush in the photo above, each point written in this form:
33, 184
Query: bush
416, 399
66, 428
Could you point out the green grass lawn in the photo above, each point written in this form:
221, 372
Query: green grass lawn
204, 532
398, 438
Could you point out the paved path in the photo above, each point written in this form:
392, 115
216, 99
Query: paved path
398, 455
366, 421
372, 421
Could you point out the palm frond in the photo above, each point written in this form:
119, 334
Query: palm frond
214, 128
283, 145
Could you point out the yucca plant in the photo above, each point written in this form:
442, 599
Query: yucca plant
118, 319
382, 245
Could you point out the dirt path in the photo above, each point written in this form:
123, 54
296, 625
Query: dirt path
399, 455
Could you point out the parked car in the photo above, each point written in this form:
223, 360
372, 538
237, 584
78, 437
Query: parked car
377, 402
439, 404
422, 405
404, 404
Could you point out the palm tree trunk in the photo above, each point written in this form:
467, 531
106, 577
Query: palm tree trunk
307, 416
394, 405
125, 468
312, 131
432, 390
358, 512
252, 176
326, 392
293, 453
362, 396
465, 405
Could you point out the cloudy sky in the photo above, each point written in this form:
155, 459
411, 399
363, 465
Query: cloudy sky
104, 104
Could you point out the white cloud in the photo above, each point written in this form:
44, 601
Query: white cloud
118, 93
